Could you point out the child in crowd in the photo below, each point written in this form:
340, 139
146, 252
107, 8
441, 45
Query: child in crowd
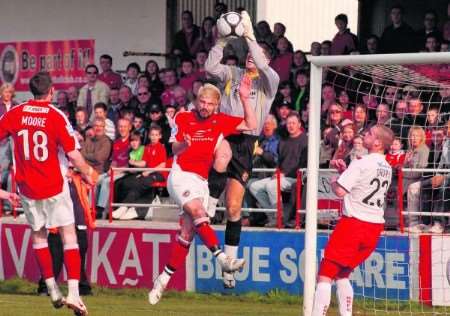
396, 155
358, 149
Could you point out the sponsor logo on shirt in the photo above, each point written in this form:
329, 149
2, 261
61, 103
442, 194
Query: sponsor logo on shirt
35, 109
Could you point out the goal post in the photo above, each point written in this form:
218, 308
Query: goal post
318, 63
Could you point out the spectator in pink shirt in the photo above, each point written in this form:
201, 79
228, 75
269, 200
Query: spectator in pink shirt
170, 81
187, 74
200, 60
283, 61
111, 78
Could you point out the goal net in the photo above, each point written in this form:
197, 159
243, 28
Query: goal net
410, 93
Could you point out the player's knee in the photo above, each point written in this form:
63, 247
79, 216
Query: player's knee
222, 156
234, 210
185, 238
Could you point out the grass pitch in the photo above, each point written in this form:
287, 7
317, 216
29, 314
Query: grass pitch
18, 297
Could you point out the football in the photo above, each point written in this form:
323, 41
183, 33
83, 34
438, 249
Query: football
230, 24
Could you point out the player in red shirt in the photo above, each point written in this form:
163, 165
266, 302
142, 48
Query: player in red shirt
42, 137
363, 186
195, 137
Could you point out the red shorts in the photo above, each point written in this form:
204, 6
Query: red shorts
351, 242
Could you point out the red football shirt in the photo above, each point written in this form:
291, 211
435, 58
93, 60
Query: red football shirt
38, 130
205, 135
154, 155
120, 153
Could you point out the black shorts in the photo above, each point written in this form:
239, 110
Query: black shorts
241, 164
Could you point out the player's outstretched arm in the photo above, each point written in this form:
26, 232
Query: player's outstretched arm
213, 66
13, 198
78, 161
249, 123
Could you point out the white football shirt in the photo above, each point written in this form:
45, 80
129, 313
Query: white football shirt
367, 180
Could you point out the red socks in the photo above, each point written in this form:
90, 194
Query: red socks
178, 255
72, 261
44, 259
208, 235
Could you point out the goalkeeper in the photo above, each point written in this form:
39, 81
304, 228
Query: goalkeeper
233, 159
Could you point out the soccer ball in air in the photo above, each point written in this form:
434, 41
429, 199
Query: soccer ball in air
230, 24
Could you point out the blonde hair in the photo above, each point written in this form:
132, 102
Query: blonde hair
6, 86
209, 89
421, 132
385, 135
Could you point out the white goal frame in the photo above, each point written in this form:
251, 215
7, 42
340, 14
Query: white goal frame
317, 65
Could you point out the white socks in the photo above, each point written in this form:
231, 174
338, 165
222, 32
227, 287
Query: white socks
72, 286
322, 299
231, 251
344, 295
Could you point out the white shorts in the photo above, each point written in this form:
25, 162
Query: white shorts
52, 212
186, 186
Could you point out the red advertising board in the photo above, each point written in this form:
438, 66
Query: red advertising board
64, 60
116, 258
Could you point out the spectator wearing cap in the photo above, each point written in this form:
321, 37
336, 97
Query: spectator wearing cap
398, 37
133, 71
157, 117
344, 41
94, 91
108, 76
282, 110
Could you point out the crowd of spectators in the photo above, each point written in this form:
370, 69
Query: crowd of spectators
120, 119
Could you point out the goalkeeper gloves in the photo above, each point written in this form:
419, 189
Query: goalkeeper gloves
248, 26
